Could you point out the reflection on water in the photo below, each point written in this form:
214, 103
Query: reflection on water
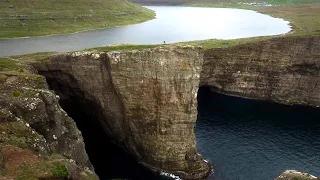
172, 24
250, 140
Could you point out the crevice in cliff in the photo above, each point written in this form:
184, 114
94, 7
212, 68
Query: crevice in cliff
109, 160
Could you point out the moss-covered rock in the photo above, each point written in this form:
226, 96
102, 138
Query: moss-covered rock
33, 127
295, 175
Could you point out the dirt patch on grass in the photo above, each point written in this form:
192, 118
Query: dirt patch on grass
13, 157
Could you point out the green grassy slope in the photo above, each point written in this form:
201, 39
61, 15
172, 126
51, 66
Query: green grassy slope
20, 18
220, 3
304, 19
245, 4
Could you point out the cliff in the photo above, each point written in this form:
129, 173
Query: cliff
284, 70
146, 101
38, 139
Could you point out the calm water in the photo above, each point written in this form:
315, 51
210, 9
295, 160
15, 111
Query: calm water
254, 140
244, 139
172, 24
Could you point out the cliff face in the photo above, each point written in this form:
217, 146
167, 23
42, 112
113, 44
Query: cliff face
38, 139
146, 101
284, 70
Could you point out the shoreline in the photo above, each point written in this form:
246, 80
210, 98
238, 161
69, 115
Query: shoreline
26, 37
154, 17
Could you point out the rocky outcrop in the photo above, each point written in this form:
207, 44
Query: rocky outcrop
146, 101
284, 70
295, 175
38, 139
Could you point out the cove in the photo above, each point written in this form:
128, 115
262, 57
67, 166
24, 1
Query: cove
245, 139
146, 102
172, 24
250, 139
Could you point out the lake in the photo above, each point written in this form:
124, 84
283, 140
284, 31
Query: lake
172, 24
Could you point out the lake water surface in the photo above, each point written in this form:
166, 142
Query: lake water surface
172, 24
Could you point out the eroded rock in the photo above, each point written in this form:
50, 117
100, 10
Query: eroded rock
284, 70
295, 175
33, 126
146, 101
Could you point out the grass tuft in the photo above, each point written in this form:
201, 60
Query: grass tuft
121, 47
60, 171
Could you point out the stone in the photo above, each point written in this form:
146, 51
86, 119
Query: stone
30, 118
295, 175
285, 70
146, 101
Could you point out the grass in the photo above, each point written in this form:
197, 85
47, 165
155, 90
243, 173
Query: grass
19, 65
60, 171
220, 3
120, 47
18, 134
7, 64
20, 18
41, 170
244, 4
305, 19
217, 43
304, 16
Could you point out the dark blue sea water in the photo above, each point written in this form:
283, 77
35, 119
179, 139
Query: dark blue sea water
255, 140
244, 139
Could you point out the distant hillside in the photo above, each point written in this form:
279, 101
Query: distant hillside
41, 17
182, 2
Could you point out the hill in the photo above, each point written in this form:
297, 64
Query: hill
20, 18
190, 2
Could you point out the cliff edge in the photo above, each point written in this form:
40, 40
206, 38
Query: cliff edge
38, 139
145, 100
284, 70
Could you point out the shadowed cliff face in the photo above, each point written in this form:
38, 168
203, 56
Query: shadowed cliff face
146, 101
284, 70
